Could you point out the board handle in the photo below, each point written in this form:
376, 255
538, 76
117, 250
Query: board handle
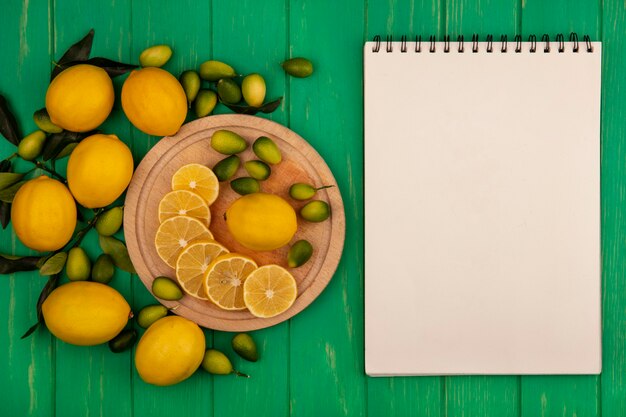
517, 40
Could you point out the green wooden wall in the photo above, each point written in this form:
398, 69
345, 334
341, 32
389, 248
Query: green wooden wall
313, 364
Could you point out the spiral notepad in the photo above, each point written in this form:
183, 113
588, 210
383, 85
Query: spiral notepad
482, 206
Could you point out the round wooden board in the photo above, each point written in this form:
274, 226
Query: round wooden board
301, 163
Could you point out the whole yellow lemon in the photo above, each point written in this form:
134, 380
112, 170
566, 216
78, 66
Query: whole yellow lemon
170, 351
43, 214
261, 221
85, 313
80, 98
99, 170
154, 101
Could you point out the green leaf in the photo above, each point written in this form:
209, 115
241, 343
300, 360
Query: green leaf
266, 108
113, 68
66, 151
6, 195
9, 178
10, 264
58, 142
5, 214
5, 208
52, 283
8, 125
78, 52
31, 330
117, 250
53, 264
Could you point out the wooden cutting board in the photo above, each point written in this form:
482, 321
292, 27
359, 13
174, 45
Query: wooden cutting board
301, 163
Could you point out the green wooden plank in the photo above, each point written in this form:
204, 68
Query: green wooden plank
95, 380
326, 109
613, 200
27, 377
402, 396
186, 27
495, 17
482, 395
469, 396
254, 44
411, 18
254, 41
560, 395
561, 16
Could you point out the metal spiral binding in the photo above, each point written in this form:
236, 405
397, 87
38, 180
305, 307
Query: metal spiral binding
546, 38
475, 43
505, 43
518, 44
532, 39
587, 40
573, 37
560, 40
533, 43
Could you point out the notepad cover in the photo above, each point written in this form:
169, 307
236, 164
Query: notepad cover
482, 211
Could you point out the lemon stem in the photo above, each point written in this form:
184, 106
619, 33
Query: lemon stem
80, 235
323, 187
52, 172
240, 374
13, 155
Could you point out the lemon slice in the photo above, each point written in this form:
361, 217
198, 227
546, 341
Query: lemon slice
198, 179
193, 262
175, 234
184, 203
224, 280
269, 291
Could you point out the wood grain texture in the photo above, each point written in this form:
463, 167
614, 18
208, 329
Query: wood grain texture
560, 395
237, 37
191, 41
313, 364
326, 373
27, 367
92, 380
300, 163
482, 395
561, 16
495, 17
613, 378
401, 396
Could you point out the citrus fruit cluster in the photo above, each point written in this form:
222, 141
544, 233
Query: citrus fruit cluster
44, 212
45, 209
204, 268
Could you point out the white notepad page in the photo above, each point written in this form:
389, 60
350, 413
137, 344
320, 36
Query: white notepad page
482, 210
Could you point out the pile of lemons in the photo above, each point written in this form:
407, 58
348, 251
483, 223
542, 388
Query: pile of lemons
79, 99
100, 167
43, 210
